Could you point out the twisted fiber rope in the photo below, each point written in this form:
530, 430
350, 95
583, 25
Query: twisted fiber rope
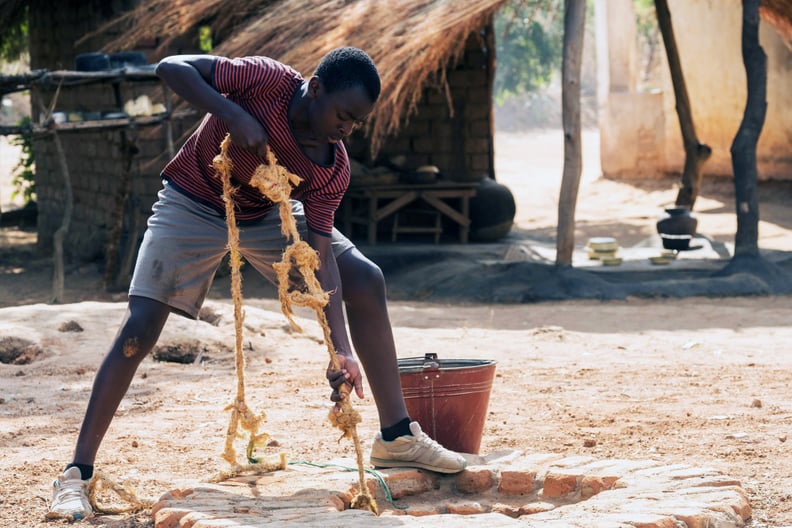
275, 182
240, 411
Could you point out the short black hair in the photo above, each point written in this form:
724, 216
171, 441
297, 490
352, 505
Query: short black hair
347, 67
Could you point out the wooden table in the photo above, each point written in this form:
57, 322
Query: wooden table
369, 205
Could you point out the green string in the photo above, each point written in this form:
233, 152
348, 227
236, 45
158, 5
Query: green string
373, 472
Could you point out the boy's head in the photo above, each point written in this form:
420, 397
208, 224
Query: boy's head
348, 67
343, 89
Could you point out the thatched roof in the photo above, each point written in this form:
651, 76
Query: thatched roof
411, 41
779, 14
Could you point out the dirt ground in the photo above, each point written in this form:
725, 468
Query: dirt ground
699, 381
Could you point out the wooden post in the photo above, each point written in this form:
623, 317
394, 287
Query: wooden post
743, 149
695, 153
574, 28
60, 233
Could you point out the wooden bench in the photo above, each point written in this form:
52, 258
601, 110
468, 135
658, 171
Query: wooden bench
369, 205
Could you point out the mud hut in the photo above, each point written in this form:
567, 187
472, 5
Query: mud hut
436, 59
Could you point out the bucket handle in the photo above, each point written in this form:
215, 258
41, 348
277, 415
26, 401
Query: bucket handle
431, 362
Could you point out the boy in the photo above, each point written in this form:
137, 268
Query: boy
261, 103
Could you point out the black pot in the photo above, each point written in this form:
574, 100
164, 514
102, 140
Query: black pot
677, 221
492, 211
92, 62
676, 242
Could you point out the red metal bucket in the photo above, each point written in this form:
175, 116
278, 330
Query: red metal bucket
449, 398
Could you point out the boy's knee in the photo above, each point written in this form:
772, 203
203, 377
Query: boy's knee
367, 280
371, 275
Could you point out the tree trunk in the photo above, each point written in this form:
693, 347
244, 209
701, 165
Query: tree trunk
695, 153
574, 29
743, 149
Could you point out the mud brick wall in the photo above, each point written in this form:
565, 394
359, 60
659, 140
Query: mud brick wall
460, 144
98, 166
95, 160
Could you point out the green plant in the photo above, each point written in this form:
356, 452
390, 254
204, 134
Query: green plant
529, 38
24, 172
14, 33
205, 39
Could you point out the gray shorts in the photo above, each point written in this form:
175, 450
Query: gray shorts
186, 240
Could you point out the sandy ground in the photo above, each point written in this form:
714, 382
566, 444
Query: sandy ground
698, 381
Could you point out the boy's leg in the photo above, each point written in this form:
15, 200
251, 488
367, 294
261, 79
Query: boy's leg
369, 327
400, 443
138, 334
139, 331
183, 245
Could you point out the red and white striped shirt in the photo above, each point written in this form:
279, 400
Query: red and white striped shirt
264, 88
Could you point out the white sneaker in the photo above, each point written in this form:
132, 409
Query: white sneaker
418, 451
69, 497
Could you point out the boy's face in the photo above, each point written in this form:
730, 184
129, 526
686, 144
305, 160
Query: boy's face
333, 116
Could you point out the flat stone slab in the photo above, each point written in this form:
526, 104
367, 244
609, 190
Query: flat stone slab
503, 489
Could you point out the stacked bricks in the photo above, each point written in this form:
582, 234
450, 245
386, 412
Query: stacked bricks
503, 489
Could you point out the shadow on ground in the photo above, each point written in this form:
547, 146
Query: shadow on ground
484, 273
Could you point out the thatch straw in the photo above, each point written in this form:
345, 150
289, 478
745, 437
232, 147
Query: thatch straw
779, 14
411, 41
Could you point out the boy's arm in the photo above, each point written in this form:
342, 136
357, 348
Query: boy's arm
330, 280
190, 76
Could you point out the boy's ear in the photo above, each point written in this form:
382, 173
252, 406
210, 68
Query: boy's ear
315, 87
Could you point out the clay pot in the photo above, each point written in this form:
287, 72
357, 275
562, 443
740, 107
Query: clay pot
492, 211
676, 228
677, 221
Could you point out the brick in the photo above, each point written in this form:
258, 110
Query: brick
592, 485
478, 96
435, 111
477, 111
416, 128
559, 485
480, 127
466, 508
445, 130
475, 480
436, 98
403, 483
423, 145
506, 509
423, 509
536, 507
467, 78
694, 518
516, 482
477, 146
718, 481
644, 520
479, 162
446, 163
191, 519
169, 517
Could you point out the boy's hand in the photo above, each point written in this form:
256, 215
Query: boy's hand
348, 374
247, 132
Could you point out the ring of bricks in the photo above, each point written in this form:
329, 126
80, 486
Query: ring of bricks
499, 490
